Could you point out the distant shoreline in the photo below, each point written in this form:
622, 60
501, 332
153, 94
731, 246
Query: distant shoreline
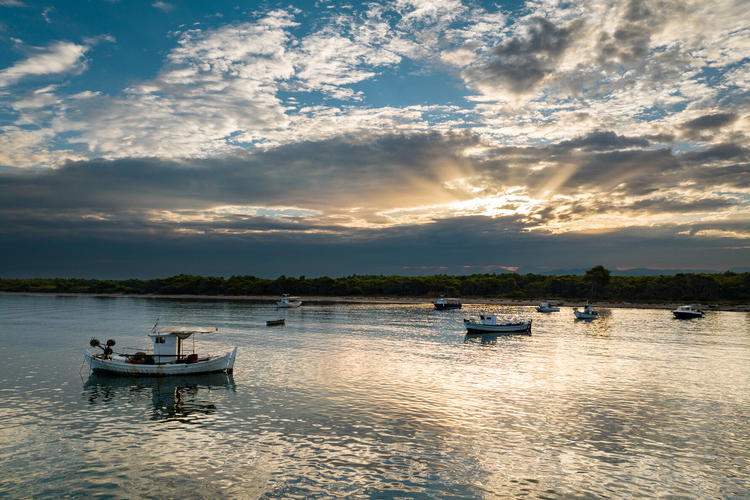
403, 300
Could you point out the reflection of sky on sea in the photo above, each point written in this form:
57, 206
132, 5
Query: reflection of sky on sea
383, 400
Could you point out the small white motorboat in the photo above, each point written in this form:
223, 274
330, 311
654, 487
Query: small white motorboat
287, 301
442, 304
547, 307
587, 313
487, 323
687, 312
166, 359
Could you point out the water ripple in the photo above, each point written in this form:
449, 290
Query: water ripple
377, 401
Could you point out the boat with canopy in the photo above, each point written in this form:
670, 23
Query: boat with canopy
169, 355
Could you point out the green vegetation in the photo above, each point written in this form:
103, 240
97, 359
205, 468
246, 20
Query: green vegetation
596, 284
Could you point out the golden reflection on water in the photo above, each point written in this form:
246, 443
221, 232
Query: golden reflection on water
386, 401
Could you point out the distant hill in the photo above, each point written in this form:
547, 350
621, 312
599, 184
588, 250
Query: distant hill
639, 271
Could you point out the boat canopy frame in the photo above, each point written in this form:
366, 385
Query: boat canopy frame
184, 332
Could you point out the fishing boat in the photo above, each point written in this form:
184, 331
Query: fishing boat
547, 307
687, 312
442, 304
167, 358
588, 312
487, 323
276, 322
287, 301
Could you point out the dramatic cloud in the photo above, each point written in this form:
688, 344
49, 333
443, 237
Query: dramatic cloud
387, 181
599, 141
520, 64
380, 132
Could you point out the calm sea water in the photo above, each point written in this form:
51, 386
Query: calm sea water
376, 401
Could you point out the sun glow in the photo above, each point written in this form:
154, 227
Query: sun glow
500, 206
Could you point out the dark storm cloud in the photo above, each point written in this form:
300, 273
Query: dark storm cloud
404, 251
634, 172
148, 217
704, 127
521, 63
626, 169
601, 141
581, 209
367, 166
316, 173
341, 174
711, 122
736, 176
717, 154
668, 205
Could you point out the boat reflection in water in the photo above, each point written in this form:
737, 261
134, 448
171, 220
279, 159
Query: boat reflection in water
182, 398
490, 339
481, 338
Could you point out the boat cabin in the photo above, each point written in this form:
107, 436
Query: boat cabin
488, 319
168, 343
687, 309
447, 303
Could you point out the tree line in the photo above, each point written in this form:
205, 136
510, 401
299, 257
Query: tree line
595, 284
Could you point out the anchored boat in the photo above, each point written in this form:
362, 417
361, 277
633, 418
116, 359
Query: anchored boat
287, 301
442, 304
168, 356
687, 312
588, 312
487, 323
547, 307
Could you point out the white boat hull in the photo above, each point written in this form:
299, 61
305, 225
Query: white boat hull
585, 315
215, 364
522, 327
286, 303
547, 309
687, 312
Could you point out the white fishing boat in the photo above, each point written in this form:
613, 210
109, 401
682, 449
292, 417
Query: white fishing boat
547, 307
442, 304
487, 323
287, 301
167, 358
588, 312
687, 312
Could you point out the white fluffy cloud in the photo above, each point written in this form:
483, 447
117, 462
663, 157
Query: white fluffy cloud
60, 57
556, 72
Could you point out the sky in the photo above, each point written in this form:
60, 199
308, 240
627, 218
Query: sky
145, 139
